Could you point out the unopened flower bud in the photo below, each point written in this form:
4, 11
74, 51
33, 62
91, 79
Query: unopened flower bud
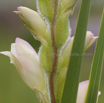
34, 22
90, 39
66, 53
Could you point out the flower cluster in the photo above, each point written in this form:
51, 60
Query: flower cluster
45, 72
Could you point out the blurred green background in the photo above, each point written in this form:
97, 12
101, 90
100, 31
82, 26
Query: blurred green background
12, 88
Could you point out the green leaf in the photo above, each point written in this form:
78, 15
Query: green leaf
72, 78
96, 70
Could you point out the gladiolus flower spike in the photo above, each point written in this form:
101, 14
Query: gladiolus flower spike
46, 71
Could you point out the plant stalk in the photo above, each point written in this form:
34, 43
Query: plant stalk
54, 65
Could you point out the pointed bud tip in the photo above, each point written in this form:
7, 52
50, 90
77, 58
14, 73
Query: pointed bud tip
18, 40
99, 93
17, 12
96, 37
21, 7
90, 33
7, 53
2, 52
18, 8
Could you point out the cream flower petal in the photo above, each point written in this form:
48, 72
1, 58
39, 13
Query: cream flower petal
82, 91
27, 65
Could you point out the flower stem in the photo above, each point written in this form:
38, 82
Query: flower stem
54, 65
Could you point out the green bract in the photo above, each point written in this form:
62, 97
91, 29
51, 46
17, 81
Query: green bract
45, 8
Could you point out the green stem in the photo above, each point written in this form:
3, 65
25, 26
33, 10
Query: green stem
51, 79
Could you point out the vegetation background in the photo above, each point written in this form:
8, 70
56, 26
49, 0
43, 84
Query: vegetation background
12, 88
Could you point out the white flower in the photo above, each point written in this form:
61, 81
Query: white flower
24, 57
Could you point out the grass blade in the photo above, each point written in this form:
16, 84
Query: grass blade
72, 78
96, 70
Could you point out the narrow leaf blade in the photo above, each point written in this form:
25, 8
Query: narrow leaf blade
72, 78
96, 70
